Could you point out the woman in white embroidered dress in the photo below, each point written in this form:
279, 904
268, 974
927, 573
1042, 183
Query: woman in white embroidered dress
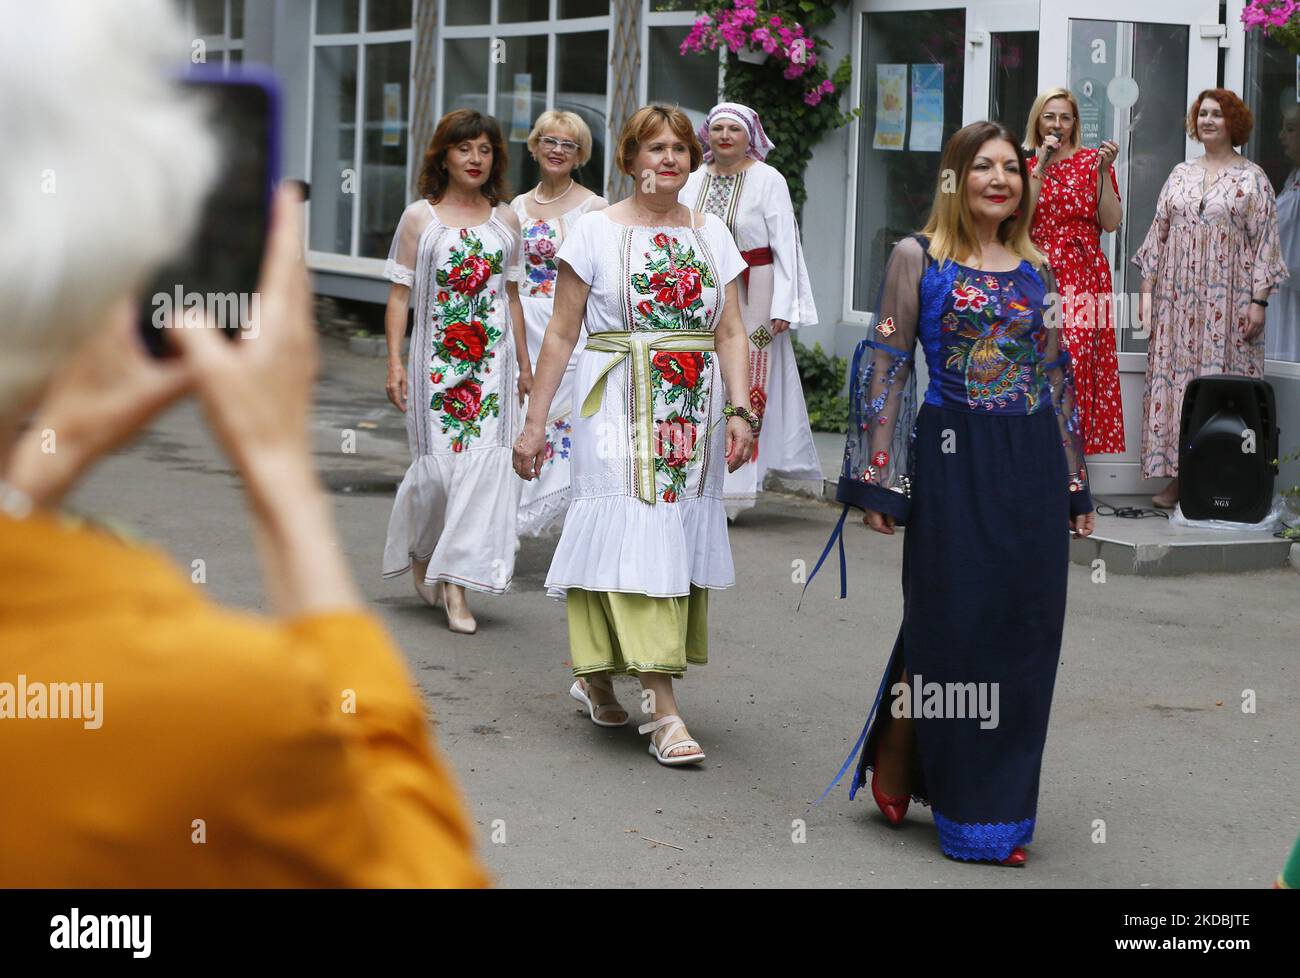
645, 538
753, 200
453, 521
560, 143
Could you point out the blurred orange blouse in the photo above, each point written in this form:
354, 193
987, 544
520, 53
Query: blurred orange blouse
230, 750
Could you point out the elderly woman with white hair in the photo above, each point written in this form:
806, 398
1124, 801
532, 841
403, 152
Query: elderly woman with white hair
753, 200
560, 143
212, 726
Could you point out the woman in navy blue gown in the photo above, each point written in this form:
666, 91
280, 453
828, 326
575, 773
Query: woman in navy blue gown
989, 479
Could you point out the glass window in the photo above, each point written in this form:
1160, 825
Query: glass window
336, 16
690, 81
388, 15
658, 5
1273, 94
584, 8
468, 12
237, 19
582, 61
383, 151
209, 17
898, 161
1013, 82
521, 98
333, 149
235, 57
1150, 132
465, 74
512, 11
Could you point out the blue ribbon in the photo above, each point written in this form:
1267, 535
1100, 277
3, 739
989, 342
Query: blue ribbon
836, 534
859, 746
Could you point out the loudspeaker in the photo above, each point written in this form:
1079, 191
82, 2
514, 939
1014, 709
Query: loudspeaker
1226, 446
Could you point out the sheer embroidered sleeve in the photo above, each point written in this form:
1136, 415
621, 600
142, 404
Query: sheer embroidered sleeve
400, 267
882, 403
1060, 377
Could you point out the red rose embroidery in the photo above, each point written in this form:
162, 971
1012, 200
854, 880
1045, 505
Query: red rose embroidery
465, 341
679, 369
462, 401
670, 496
675, 441
661, 240
468, 277
644, 307
546, 247
444, 296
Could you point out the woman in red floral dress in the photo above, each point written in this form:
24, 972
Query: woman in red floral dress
1072, 206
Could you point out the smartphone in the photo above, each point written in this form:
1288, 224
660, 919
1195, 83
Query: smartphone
212, 281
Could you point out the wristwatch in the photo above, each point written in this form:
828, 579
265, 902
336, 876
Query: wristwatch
1260, 302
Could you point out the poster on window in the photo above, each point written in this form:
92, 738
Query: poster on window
521, 109
891, 107
927, 108
392, 114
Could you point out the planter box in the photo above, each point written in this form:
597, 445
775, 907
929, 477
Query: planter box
750, 56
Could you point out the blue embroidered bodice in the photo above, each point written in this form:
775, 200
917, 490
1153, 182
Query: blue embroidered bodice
984, 338
992, 343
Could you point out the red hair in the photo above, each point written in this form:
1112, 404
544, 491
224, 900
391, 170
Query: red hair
1236, 114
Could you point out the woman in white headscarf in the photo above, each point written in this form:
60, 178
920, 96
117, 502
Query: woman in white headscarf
775, 295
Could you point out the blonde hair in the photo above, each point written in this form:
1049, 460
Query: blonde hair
1032, 138
560, 119
951, 228
104, 169
645, 122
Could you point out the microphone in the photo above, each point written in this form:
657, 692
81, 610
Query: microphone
1047, 156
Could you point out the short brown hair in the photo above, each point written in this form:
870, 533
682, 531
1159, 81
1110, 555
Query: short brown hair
454, 128
1235, 112
645, 122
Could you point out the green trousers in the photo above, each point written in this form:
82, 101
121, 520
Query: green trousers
624, 633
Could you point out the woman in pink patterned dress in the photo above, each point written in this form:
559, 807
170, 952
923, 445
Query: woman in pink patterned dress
1209, 263
1073, 205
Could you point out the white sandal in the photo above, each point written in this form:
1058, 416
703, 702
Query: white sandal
578, 692
670, 759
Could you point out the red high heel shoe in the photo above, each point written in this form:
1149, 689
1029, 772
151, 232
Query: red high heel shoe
1017, 857
893, 806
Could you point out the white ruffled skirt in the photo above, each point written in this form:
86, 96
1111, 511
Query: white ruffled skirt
457, 511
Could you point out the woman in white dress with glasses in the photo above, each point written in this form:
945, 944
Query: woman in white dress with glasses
560, 143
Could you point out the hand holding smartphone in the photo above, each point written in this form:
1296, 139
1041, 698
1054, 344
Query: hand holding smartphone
212, 282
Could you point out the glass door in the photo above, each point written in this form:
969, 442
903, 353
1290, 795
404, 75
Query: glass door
1134, 80
922, 72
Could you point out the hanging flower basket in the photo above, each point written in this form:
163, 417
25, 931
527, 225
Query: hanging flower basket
1279, 19
749, 55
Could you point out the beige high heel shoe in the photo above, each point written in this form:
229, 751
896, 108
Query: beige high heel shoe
460, 624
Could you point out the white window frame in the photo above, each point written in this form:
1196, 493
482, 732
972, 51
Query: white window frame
352, 263
667, 18
491, 29
221, 43
972, 109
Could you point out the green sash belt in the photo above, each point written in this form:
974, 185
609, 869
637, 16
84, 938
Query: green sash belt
641, 345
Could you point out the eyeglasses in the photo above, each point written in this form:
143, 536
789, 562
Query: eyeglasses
1064, 118
566, 146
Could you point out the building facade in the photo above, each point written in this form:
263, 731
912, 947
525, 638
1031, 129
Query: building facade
366, 80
